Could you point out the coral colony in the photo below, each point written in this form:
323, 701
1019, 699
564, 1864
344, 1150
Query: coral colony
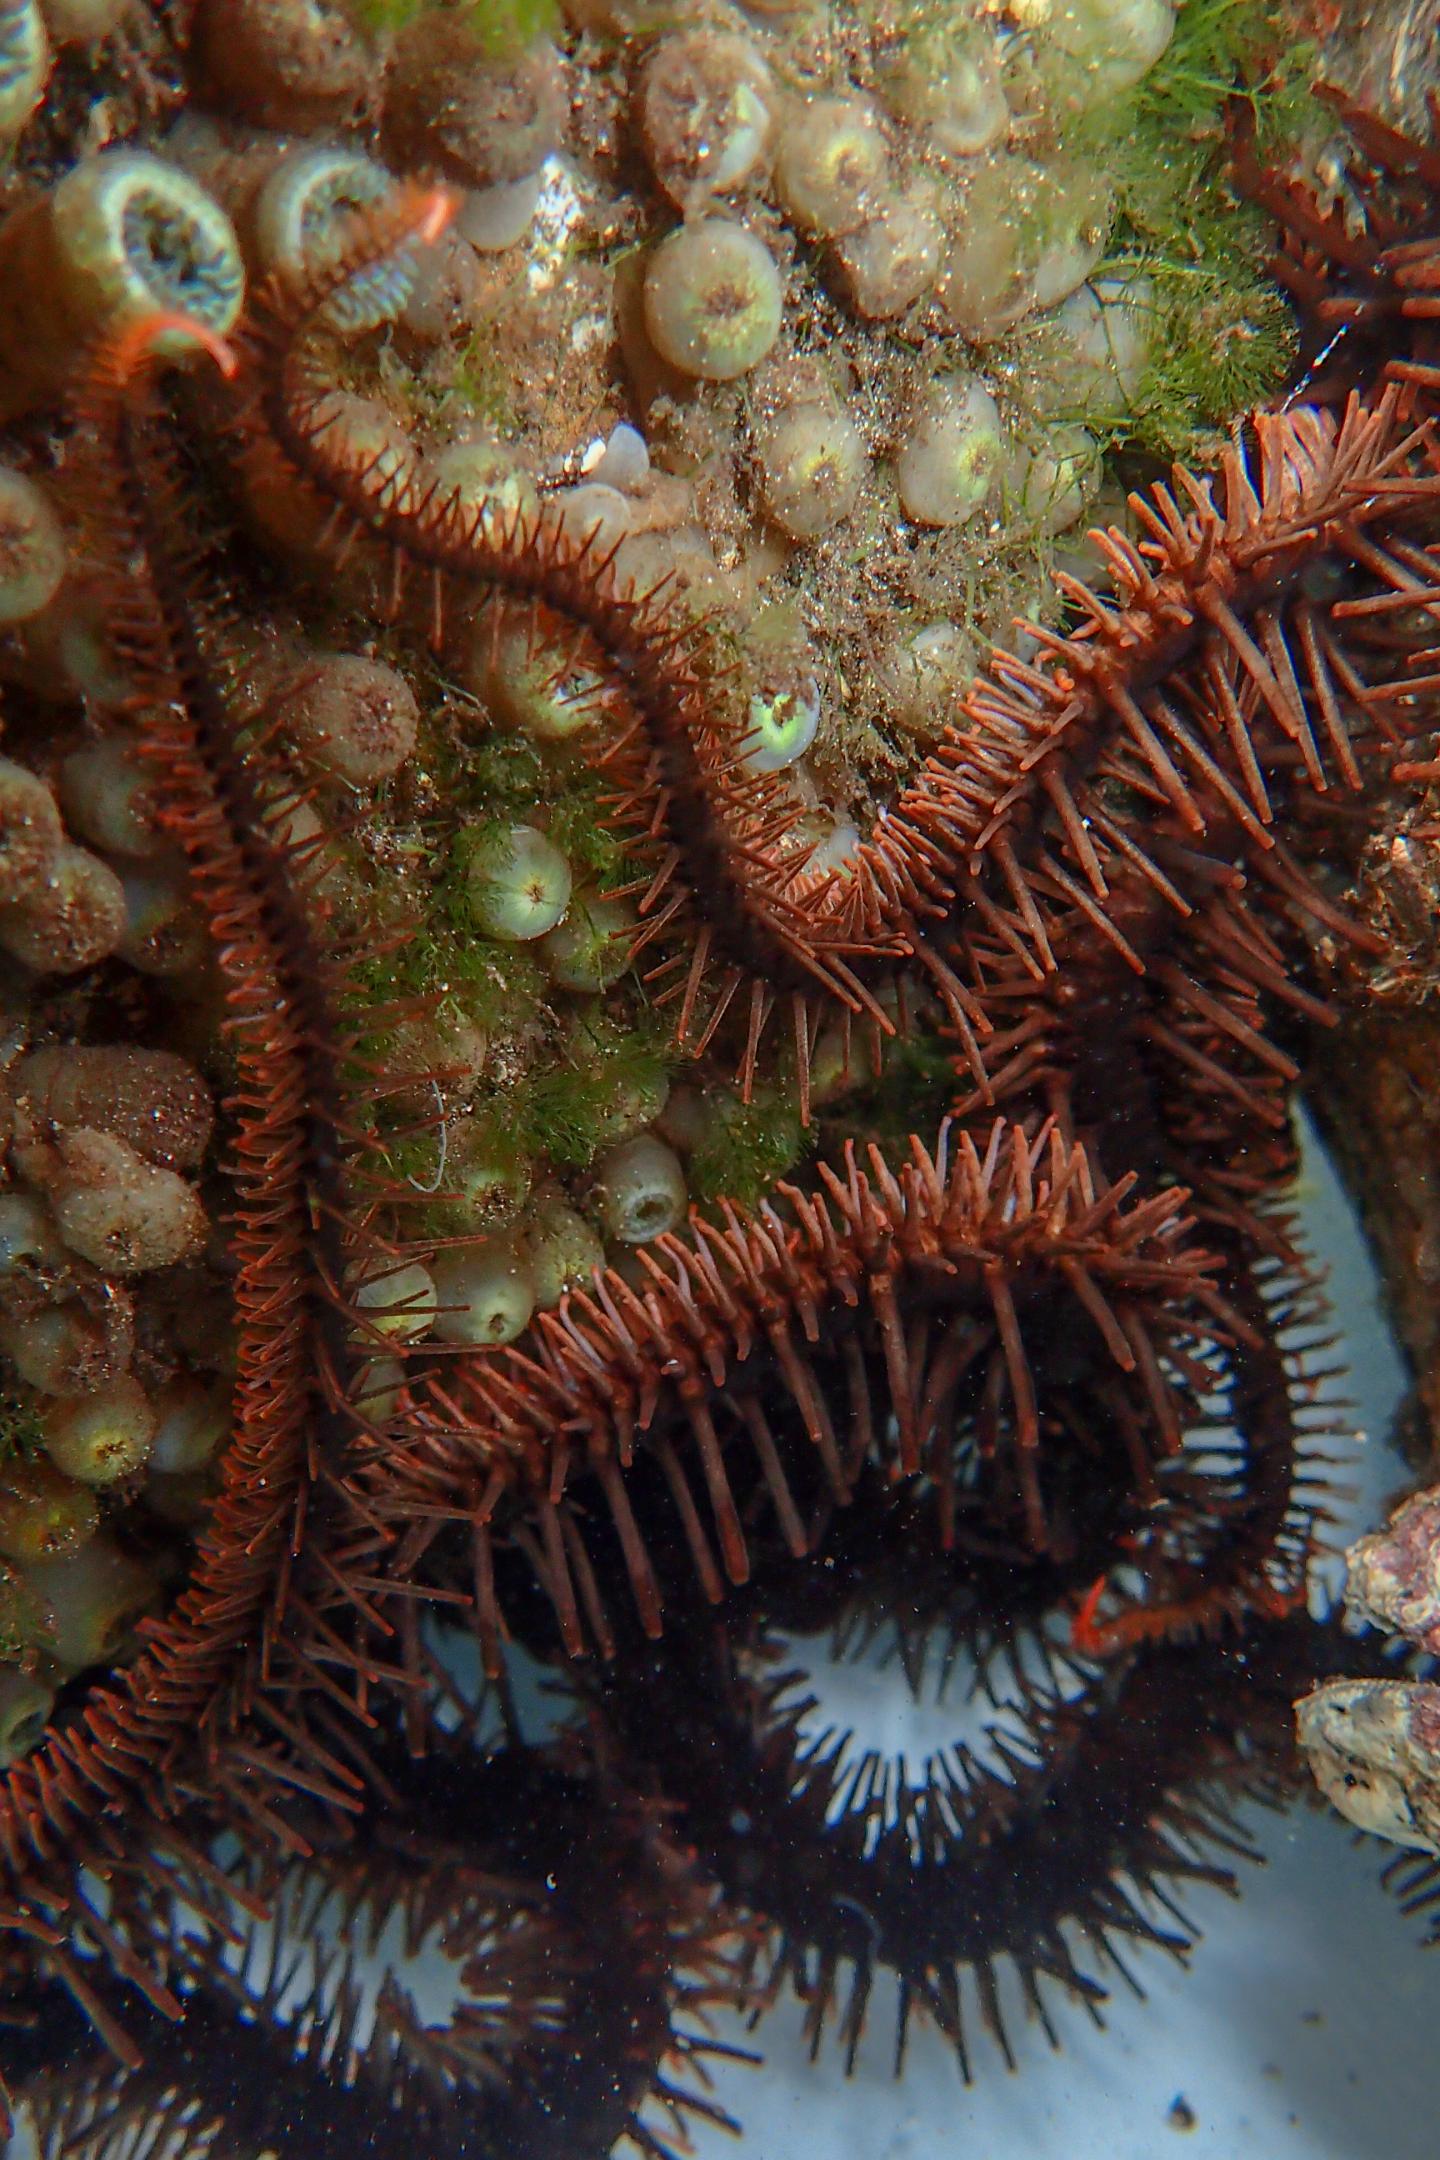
690, 699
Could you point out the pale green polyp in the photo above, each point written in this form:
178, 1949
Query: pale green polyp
520, 888
484, 1294
518, 681
834, 843
96, 1595
781, 728
400, 1303
948, 467
706, 114
32, 548
713, 300
945, 80
193, 1424
108, 792
591, 515
1070, 224
812, 464
377, 1390
590, 949
831, 165
1103, 47
486, 1183
1027, 236
31, 834
636, 1101
139, 235
1050, 483
1108, 331
486, 482
101, 1438
888, 262
740, 154
25, 1707
564, 1251
922, 671
640, 1190
164, 933
836, 1066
